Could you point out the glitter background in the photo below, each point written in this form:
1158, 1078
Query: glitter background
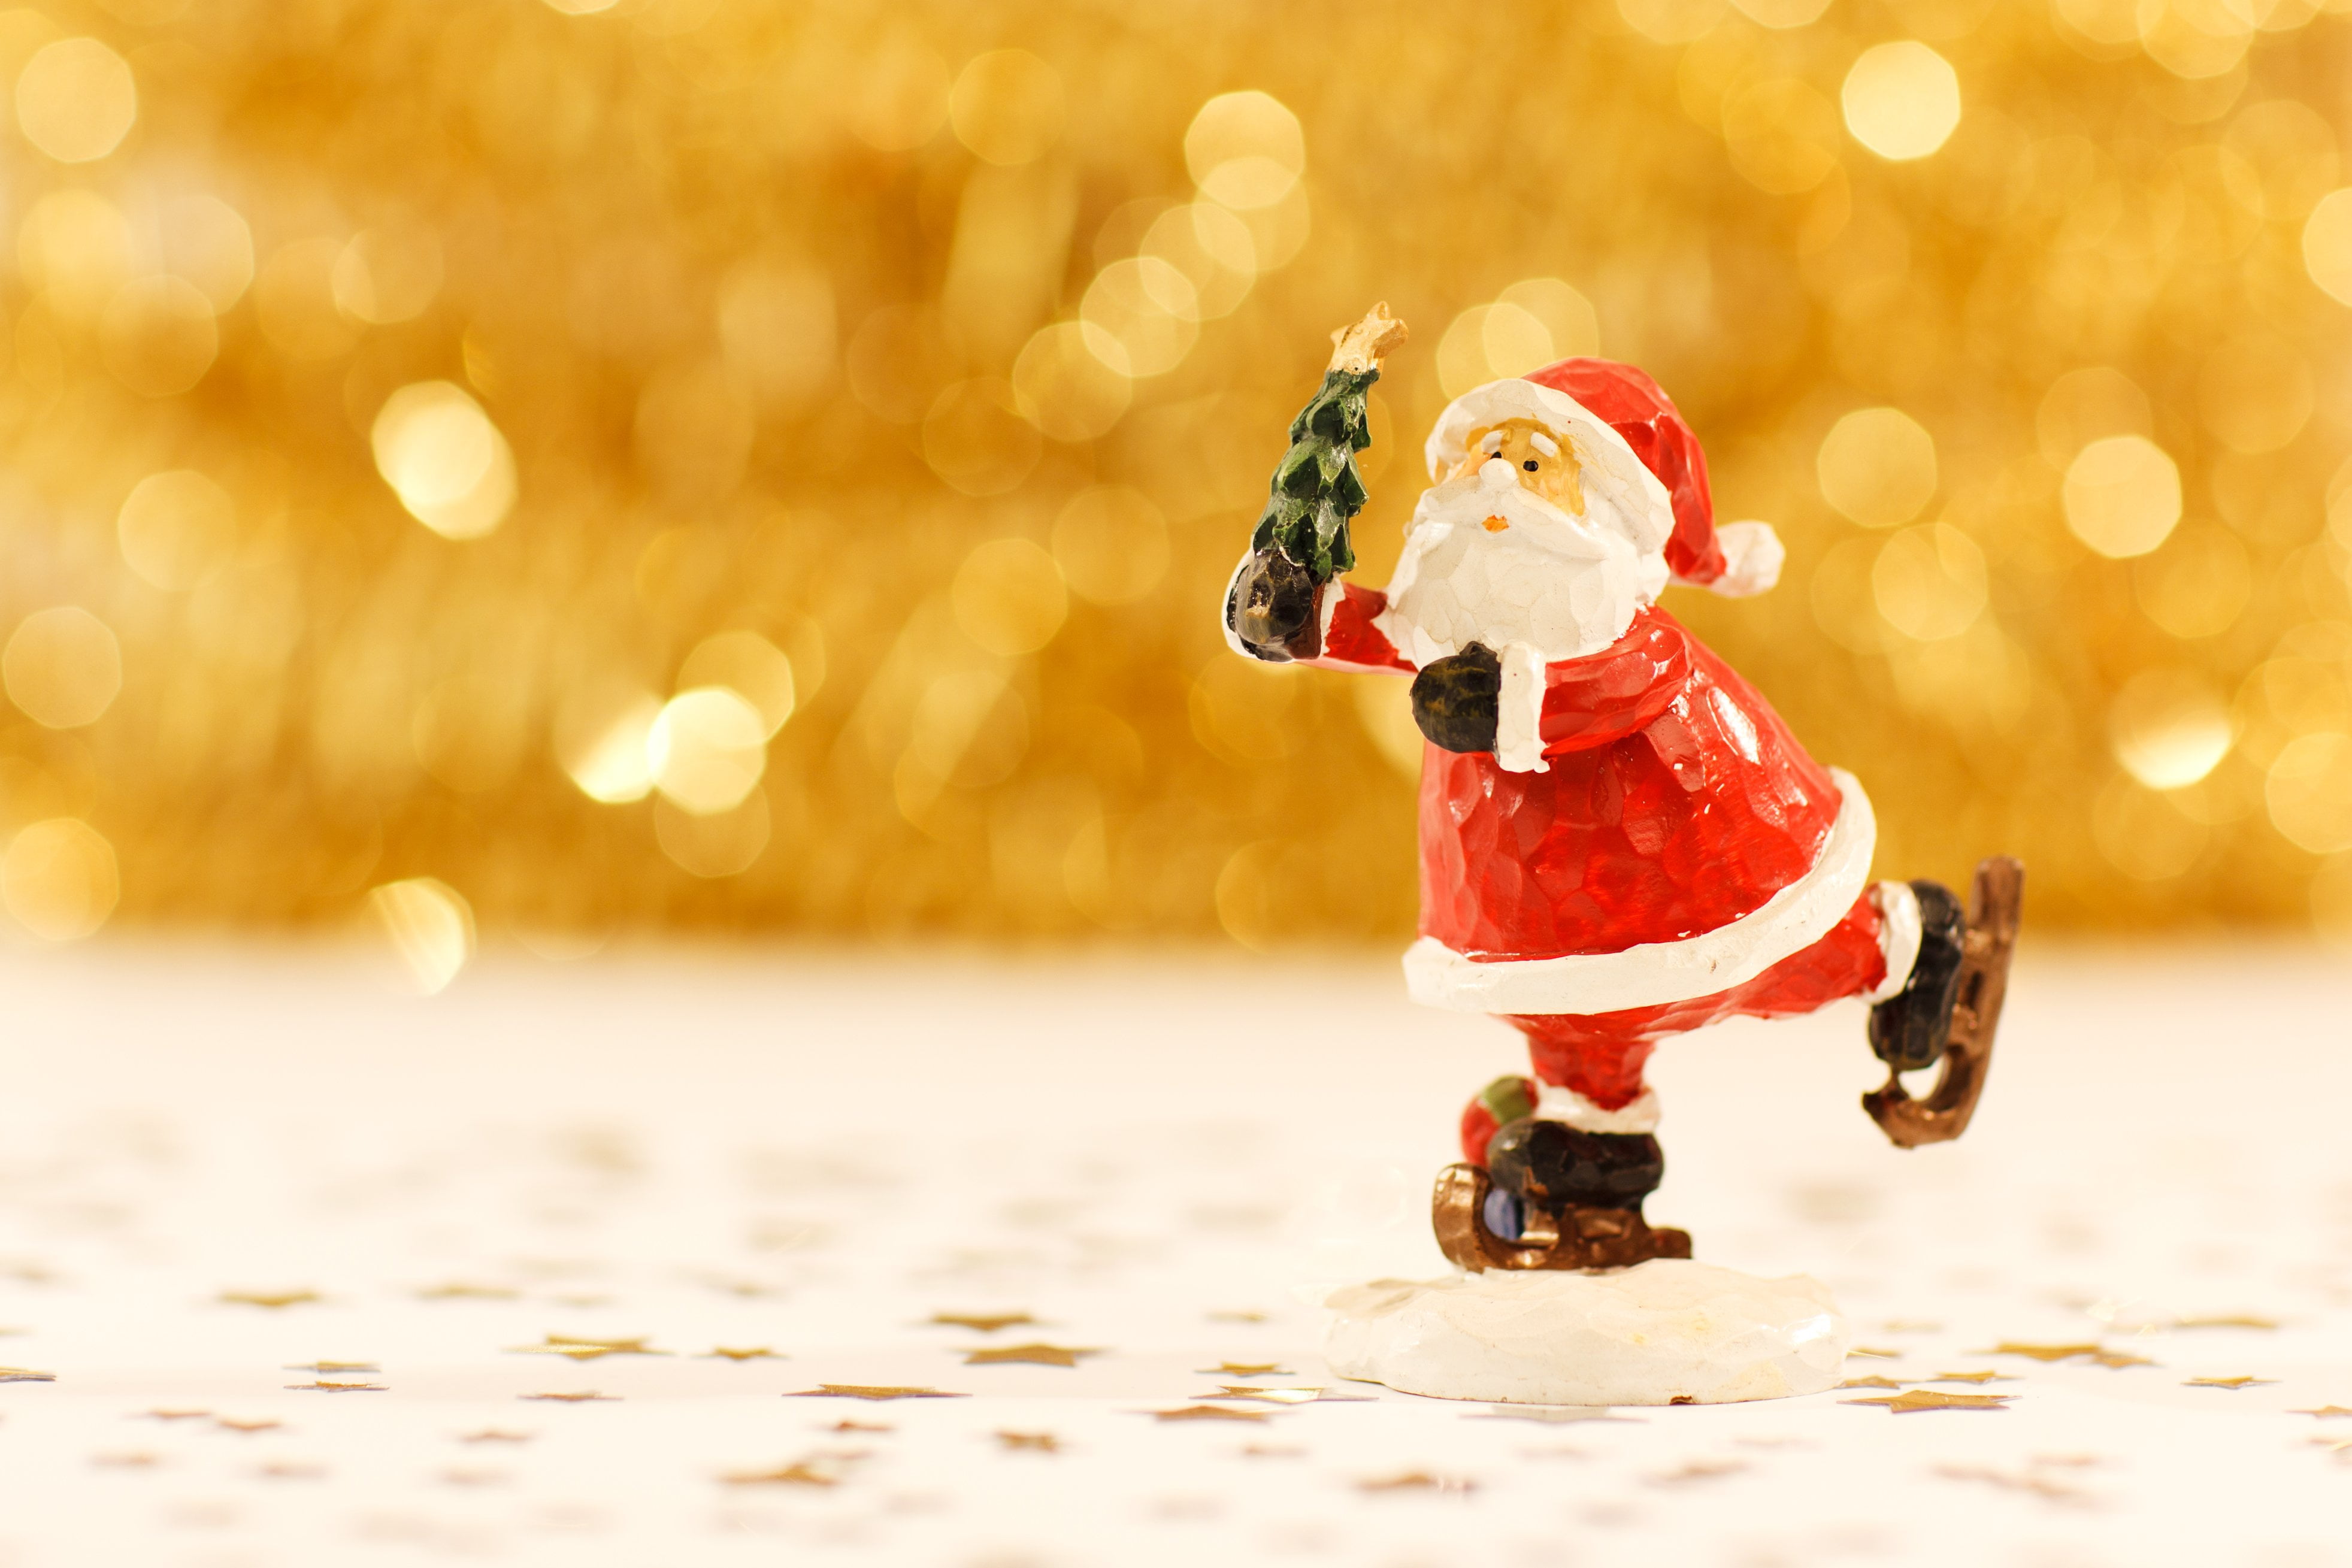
403, 402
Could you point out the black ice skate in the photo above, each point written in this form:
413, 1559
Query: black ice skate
1554, 1196
1949, 1008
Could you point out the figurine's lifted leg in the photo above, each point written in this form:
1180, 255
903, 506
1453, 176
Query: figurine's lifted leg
1557, 1170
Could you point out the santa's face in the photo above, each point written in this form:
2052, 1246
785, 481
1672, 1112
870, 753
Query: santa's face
1491, 558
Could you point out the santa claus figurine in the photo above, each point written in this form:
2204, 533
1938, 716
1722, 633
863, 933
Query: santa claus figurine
1621, 841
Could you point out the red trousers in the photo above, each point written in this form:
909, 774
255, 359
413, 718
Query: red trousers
1600, 1055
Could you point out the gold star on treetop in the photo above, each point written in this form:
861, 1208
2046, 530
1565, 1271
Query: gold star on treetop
1040, 1442
1871, 1382
581, 1396
1039, 1356
986, 1322
323, 1387
871, 1391
2325, 1411
1245, 1369
2246, 1382
1208, 1412
272, 1300
1912, 1400
800, 1473
751, 1352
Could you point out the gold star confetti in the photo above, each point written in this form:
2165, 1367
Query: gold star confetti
1272, 1451
26, 1375
1244, 1316
291, 1471
2325, 1411
1969, 1377
495, 1435
1208, 1412
175, 1415
463, 1292
2099, 1354
578, 1349
1699, 1470
1913, 1400
1309, 1396
871, 1391
746, 1352
273, 1300
582, 1396
848, 1427
1550, 1415
263, 1424
1040, 1442
1879, 1352
323, 1387
332, 1368
1037, 1355
2339, 1447
799, 1473
2231, 1383
986, 1322
462, 1476
125, 1461
1871, 1382
1909, 1326
2027, 1480
1418, 1481
2227, 1320
1246, 1369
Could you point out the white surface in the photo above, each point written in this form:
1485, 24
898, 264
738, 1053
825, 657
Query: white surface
1652, 972
738, 1153
1669, 1330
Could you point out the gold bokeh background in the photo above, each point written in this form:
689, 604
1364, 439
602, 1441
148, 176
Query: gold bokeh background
888, 390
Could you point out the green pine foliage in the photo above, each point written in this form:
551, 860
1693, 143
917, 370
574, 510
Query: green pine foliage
1317, 488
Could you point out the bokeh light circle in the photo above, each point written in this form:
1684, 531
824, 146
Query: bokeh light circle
62, 667
2122, 495
1902, 100
75, 99
443, 458
60, 880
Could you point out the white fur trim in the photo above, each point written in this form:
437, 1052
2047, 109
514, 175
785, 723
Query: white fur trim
1519, 740
1899, 932
1610, 465
1753, 556
1651, 973
1559, 1103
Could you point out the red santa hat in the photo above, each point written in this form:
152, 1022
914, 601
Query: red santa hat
1635, 448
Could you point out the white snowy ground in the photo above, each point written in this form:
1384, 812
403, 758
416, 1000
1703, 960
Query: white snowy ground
815, 1153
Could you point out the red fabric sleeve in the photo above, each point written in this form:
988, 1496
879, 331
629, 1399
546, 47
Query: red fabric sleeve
1617, 692
1350, 640
1639, 409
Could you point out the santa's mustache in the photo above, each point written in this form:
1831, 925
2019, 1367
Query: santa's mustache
1519, 515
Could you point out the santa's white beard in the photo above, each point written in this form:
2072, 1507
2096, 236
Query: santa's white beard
1556, 586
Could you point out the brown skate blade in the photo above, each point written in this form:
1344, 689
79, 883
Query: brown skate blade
1583, 1238
1994, 906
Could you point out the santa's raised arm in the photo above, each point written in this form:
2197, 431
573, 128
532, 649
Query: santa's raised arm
1620, 840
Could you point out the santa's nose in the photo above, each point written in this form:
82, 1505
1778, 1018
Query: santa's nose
1496, 474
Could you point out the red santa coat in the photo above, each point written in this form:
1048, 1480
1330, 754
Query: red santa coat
1678, 841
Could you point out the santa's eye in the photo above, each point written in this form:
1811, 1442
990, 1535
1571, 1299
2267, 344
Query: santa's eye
1529, 465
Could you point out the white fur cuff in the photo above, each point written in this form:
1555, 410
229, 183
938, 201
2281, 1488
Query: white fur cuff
1557, 1102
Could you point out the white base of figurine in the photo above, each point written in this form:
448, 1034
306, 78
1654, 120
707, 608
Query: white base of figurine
1663, 1331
